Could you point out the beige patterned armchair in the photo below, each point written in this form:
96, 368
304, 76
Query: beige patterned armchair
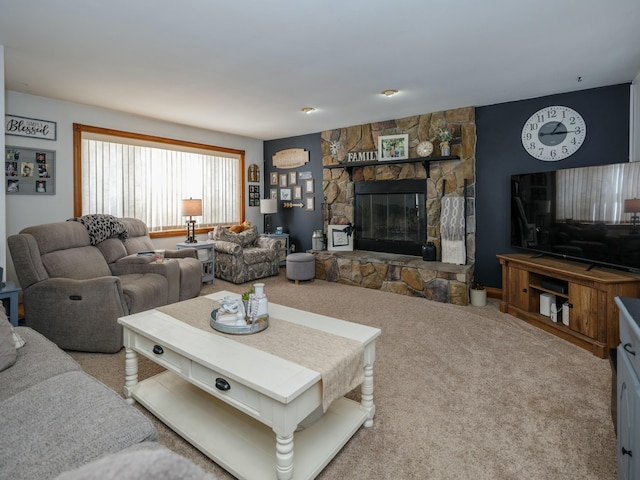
246, 256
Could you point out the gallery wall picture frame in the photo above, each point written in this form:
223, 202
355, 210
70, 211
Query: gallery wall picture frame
29, 171
297, 192
283, 180
393, 147
30, 127
273, 178
310, 203
273, 194
285, 194
292, 178
308, 186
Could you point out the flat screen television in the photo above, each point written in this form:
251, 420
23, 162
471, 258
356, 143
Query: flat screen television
589, 214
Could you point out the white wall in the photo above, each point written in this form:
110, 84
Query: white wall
26, 210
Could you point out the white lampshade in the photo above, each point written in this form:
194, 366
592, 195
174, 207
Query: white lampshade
268, 205
191, 207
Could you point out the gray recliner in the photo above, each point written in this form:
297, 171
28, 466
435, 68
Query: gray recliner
73, 297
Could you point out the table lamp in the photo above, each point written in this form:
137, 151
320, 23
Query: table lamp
191, 208
632, 205
267, 207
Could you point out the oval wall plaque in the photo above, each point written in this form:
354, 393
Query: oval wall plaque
290, 158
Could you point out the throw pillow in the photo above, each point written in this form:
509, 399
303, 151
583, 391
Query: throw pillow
248, 237
245, 239
222, 233
8, 353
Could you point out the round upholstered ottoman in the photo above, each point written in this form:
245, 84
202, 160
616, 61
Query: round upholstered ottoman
301, 266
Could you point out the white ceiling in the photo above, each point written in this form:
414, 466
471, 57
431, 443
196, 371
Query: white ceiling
247, 67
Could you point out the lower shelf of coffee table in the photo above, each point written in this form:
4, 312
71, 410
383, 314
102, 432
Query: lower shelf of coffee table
237, 442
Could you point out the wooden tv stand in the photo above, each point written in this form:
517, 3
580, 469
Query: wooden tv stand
593, 314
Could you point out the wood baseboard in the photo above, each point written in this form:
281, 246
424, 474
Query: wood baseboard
493, 292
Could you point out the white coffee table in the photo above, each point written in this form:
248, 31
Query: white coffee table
239, 405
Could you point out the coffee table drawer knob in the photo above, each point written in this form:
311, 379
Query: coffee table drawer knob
158, 350
222, 384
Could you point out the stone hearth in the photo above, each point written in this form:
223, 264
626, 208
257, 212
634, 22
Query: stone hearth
402, 274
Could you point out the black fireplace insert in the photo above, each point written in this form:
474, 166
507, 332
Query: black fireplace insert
390, 216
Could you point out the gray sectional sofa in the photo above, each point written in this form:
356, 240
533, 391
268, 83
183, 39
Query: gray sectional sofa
59, 422
79, 276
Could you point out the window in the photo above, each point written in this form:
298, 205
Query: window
131, 175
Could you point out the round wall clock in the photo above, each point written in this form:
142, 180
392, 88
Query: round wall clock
553, 133
424, 149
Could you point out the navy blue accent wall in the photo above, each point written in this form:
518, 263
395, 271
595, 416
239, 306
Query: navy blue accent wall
499, 154
299, 223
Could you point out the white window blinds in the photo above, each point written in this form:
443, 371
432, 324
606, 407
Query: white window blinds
130, 178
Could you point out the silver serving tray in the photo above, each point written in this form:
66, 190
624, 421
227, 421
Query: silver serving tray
259, 325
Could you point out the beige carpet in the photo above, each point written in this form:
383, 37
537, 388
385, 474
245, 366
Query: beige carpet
461, 392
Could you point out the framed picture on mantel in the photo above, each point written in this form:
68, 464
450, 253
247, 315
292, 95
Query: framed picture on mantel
393, 147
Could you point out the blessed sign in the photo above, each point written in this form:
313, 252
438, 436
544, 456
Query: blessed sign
29, 127
290, 158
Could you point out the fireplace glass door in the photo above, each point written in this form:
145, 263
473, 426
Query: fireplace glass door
390, 222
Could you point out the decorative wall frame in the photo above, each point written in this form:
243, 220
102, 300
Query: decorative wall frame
297, 192
30, 127
253, 173
292, 178
254, 195
29, 171
393, 147
274, 178
308, 186
283, 179
285, 194
273, 194
310, 203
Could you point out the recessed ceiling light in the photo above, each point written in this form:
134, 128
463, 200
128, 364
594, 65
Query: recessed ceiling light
389, 93
308, 109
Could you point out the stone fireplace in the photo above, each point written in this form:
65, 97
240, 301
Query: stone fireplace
386, 255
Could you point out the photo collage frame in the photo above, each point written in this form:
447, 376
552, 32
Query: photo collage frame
29, 171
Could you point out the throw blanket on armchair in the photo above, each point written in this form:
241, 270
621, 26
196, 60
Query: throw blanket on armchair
101, 226
452, 230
